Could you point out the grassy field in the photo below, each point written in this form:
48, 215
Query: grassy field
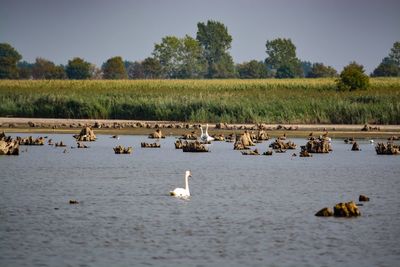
231, 101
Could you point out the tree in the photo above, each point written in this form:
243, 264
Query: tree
8, 61
135, 70
394, 54
319, 70
151, 68
24, 70
306, 67
95, 72
216, 41
168, 54
114, 68
352, 77
252, 70
45, 69
282, 58
180, 58
192, 61
387, 68
78, 69
390, 65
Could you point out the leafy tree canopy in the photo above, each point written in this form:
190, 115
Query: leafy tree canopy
390, 65
114, 68
8, 61
46, 69
180, 58
252, 70
151, 68
352, 78
78, 69
282, 57
319, 70
216, 41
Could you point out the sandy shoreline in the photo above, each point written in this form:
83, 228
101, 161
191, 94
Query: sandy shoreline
137, 127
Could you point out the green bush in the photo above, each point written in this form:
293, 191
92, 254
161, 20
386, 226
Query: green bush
352, 78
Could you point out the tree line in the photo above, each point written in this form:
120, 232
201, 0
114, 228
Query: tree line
204, 57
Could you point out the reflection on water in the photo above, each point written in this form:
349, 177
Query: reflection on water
244, 210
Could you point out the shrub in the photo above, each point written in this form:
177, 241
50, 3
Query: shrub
352, 78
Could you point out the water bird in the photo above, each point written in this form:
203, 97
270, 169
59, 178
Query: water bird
204, 135
371, 141
182, 192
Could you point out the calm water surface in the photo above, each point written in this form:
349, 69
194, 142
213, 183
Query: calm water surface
244, 210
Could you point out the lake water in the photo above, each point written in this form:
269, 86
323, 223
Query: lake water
244, 210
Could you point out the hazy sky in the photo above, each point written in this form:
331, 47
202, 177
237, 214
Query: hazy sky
334, 32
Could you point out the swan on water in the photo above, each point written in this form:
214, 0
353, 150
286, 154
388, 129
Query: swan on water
182, 192
371, 141
204, 136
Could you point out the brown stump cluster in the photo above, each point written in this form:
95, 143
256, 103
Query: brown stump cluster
251, 152
318, 145
8, 146
86, 135
122, 150
355, 147
387, 149
244, 142
157, 135
348, 209
30, 141
281, 145
194, 147
148, 145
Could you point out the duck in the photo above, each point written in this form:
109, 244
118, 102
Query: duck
182, 192
204, 135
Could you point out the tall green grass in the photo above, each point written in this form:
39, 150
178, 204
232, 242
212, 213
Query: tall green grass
231, 101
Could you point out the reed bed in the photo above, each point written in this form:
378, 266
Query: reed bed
231, 101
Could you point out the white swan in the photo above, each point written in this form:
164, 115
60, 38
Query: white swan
204, 136
182, 192
371, 141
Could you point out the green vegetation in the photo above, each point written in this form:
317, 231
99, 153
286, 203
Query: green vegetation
8, 61
352, 78
78, 69
239, 101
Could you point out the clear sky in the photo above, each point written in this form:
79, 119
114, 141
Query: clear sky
334, 32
